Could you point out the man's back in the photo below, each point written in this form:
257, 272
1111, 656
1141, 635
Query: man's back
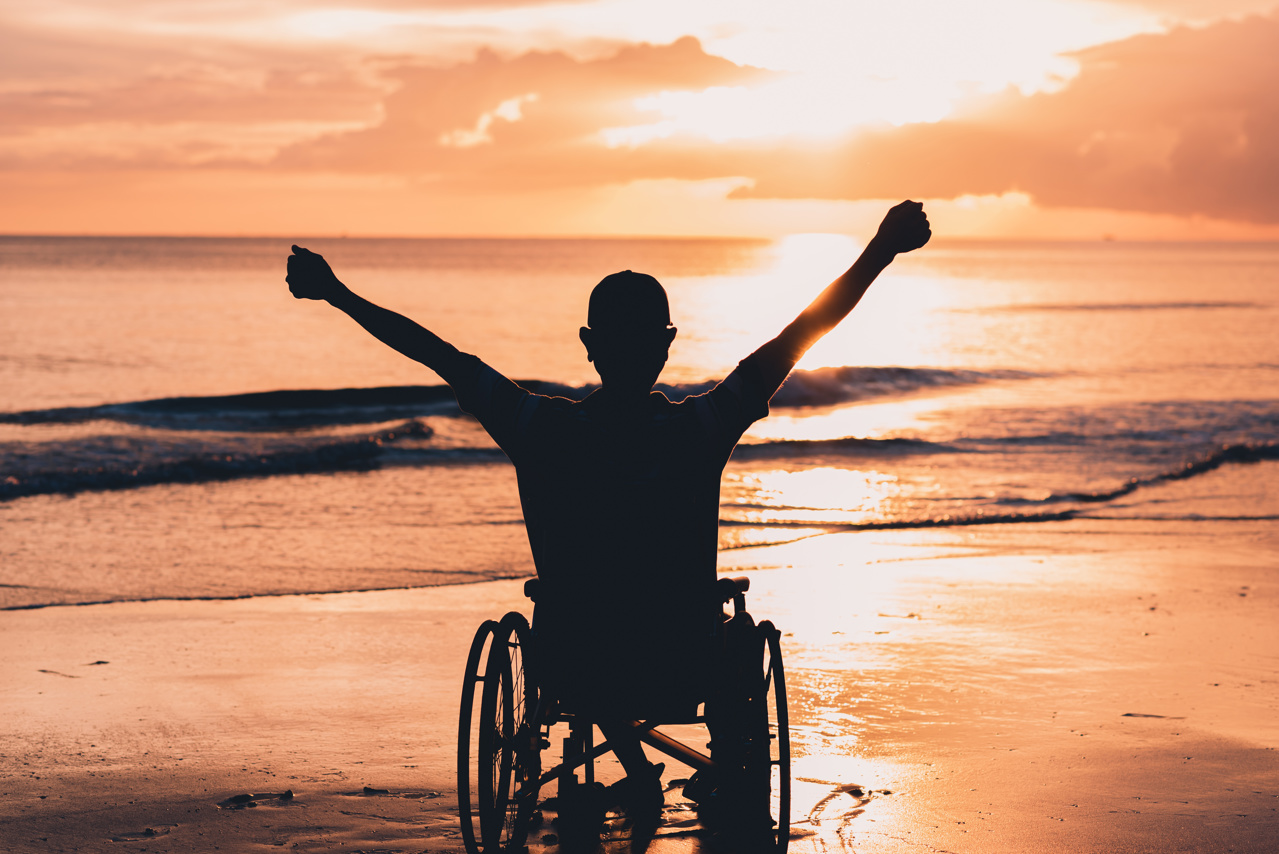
622, 510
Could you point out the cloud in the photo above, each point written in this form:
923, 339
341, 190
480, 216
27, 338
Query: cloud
78, 99
1184, 122
509, 110
198, 92
532, 121
1201, 10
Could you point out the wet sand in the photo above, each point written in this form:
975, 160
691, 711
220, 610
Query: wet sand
1083, 686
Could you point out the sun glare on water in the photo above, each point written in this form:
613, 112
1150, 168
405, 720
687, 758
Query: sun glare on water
726, 317
813, 258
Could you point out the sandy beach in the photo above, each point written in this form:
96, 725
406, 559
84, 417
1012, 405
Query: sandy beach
967, 310
1082, 686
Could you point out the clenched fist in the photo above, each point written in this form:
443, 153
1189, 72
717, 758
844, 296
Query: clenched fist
904, 228
310, 277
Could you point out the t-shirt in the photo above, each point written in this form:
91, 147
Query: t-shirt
622, 516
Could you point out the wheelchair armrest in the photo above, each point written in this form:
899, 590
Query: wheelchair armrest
734, 590
730, 588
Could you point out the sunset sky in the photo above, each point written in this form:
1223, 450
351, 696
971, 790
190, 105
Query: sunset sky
1010, 118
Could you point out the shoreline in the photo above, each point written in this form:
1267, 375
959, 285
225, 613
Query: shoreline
1088, 685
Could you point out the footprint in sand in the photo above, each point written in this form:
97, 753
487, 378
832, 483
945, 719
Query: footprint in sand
842, 804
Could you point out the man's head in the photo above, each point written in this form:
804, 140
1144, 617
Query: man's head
628, 332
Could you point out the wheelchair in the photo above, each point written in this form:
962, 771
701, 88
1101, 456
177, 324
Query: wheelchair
508, 712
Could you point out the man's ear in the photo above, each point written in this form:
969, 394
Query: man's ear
670, 335
584, 333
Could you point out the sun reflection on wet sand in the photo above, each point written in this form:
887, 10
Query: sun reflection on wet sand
947, 667
838, 654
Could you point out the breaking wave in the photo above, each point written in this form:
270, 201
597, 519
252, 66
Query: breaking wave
1241, 453
98, 464
309, 408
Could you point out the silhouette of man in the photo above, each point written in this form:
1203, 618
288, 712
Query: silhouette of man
620, 491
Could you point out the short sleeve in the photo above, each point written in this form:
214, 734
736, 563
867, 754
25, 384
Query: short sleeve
726, 411
502, 407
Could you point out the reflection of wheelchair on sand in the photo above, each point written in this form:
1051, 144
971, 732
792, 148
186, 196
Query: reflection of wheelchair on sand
508, 712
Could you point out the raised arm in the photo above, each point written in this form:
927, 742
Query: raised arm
904, 229
310, 277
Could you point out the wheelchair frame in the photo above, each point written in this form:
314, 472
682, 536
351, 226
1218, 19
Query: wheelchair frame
499, 757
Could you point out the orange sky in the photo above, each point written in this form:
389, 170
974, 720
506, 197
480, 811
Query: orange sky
1012, 118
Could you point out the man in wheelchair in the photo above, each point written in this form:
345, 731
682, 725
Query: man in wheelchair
620, 491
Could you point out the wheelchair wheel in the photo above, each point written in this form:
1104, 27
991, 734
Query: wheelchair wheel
747, 797
778, 747
498, 760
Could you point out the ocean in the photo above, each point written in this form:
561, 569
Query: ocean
173, 424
